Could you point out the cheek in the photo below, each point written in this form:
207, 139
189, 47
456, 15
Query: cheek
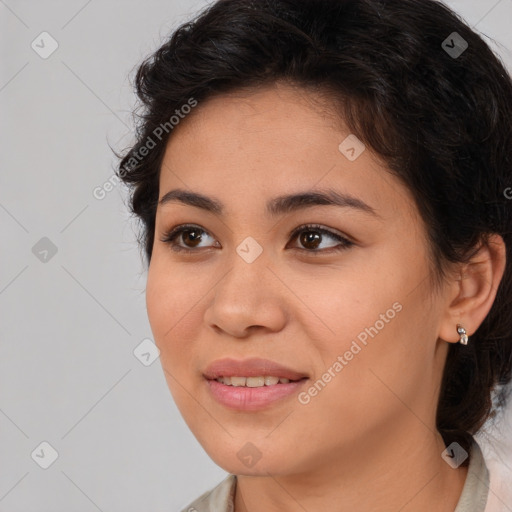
365, 368
172, 300
376, 321
349, 301
172, 308
160, 301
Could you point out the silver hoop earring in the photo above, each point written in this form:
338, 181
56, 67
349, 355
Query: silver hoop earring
463, 335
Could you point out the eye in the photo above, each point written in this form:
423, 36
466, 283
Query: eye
190, 235
189, 238
312, 236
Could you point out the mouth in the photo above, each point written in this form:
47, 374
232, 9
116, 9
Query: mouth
254, 368
251, 384
254, 382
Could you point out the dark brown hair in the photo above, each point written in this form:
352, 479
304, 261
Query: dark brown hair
438, 113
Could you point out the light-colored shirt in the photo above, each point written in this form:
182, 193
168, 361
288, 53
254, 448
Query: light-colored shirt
472, 499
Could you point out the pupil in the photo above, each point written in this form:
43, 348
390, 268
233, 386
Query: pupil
193, 236
310, 238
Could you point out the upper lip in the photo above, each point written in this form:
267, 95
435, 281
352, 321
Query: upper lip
254, 367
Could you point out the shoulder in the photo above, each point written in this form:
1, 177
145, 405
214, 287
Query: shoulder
497, 451
475, 492
218, 499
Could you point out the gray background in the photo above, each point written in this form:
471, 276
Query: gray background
70, 321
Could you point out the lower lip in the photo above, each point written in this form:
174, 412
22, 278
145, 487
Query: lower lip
243, 398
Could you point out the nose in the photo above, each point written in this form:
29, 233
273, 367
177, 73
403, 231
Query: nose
247, 298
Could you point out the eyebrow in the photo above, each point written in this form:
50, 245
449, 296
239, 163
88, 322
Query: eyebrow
277, 206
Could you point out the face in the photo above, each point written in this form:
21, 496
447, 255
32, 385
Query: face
303, 261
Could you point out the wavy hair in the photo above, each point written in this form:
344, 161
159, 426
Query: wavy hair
440, 119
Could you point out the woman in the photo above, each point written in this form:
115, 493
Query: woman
323, 192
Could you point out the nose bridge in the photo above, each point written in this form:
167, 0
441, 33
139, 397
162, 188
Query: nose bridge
244, 297
249, 270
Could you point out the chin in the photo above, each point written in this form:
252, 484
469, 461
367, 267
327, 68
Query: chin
250, 458
260, 468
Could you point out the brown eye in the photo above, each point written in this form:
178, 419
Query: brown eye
311, 237
191, 237
187, 238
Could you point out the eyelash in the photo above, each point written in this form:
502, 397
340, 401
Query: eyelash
175, 232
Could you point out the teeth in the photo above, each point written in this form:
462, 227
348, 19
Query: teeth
271, 381
252, 382
255, 382
238, 381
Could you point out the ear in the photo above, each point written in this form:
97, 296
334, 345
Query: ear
472, 291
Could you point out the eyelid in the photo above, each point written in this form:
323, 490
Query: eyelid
321, 229
169, 237
344, 241
182, 227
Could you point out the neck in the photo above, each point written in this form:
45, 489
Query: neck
390, 473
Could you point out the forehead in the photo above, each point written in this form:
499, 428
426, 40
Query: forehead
274, 140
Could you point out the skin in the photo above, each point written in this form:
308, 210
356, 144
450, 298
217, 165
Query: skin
372, 427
